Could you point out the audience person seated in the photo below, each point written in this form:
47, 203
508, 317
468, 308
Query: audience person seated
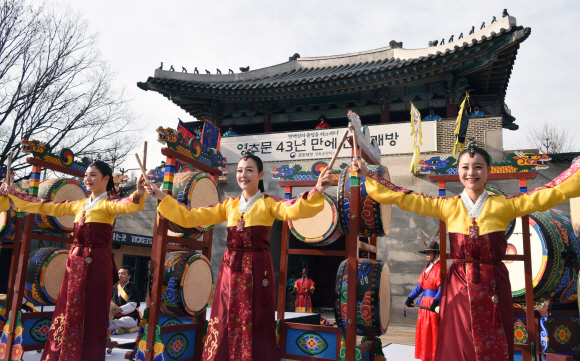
124, 304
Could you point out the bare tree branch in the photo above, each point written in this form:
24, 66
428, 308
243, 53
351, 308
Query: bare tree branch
551, 139
55, 87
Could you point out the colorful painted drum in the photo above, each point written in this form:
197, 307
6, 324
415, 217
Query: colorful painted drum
195, 190
8, 223
373, 297
565, 291
375, 218
546, 253
46, 267
491, 190
187, 284
320, 230
58, 190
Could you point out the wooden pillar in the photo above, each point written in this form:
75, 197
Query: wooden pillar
385, 113
268, 123
451, 108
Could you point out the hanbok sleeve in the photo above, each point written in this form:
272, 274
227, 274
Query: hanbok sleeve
565, 186
31, 204
127, 205
188, 217
385, 192
4, 203
307, 205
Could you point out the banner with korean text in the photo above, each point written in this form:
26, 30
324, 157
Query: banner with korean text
393, 138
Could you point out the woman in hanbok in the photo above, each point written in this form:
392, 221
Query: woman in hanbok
242, 323
476, 311
429, 287
81, 314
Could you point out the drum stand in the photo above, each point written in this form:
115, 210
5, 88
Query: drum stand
160, 245
351, 253
20, 268
530, 350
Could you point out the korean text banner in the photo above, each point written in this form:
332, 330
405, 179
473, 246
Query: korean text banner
320, 144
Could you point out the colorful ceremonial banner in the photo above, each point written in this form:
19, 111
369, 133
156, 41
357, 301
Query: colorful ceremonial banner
210, 137
417, 134
321, 144
462, 124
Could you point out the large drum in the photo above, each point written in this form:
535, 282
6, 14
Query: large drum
373, 297
46, 267
375, 218
320, 230
187, 284
8, 223
58, 190
547, 246
194, 189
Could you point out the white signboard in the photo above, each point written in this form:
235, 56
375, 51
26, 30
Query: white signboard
321, 143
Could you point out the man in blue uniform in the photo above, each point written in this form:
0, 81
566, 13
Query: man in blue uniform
432, 115
230, 132
477, 112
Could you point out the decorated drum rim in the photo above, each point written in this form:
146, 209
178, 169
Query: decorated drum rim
190, 184
7, 227
557, 261
51, 186
344, 203
378, 329
34, 283
193, 258
330, 233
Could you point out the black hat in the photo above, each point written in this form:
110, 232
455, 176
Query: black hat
323, 117
431, 109
431, 247
476, 105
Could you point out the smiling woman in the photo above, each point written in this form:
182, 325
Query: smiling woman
244, 318
85, 291
476, 316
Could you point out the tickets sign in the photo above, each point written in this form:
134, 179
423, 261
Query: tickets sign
322, 143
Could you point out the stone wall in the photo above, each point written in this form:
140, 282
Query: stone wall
477, 129
398, 249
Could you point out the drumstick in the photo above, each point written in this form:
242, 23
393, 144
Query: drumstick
354, 147
9, 168
338, 149
141, 166
145, 155
425, 307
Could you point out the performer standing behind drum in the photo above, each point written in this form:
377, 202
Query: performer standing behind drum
126, 300
305, 288
476, 316
428, 320
242, 314
81, 315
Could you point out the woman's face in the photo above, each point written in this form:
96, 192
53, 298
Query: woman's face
473, 171
94, 180
248, 176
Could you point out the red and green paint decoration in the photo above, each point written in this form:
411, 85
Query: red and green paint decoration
17, 351
64, 158
294, 172
158, 346
120, 179
142, 325
517, 162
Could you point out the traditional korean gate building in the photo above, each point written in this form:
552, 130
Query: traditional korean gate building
379, 86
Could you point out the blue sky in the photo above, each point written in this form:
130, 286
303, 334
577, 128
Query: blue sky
135, 36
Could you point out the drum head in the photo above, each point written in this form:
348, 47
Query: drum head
317, 228
541, 249
204, 193
197, 284
4, 222
71, 192
55, 273
385, 297
575, 215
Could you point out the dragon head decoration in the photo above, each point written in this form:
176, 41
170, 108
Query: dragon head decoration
528, 159
34, 146
285, 171
434, 163
168, 135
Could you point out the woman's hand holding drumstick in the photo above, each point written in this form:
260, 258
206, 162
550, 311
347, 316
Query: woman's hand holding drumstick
324, 181
358, 165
